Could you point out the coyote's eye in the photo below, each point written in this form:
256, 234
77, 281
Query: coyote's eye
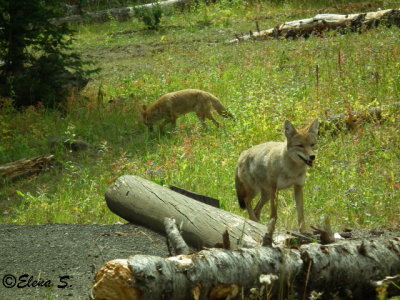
301, 146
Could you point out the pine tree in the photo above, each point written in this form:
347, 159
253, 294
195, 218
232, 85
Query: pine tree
37, 63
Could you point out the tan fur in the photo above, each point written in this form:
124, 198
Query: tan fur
172, 105
273, 166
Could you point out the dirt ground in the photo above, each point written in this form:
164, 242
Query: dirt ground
65, 255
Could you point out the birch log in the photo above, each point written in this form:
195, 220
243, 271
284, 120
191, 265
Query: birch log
345, 270
146, 203
325, 22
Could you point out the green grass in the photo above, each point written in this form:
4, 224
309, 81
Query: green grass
355, 180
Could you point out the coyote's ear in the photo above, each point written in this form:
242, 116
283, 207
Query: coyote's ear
314, 127
143, 109
289, 129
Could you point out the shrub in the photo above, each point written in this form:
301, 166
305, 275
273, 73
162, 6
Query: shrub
151, 16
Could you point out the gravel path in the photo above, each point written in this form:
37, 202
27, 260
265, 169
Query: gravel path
67, 256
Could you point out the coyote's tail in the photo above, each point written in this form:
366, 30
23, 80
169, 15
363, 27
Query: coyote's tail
220, 108
240, 190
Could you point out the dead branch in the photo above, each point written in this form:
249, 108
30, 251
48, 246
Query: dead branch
325, 232
176, 244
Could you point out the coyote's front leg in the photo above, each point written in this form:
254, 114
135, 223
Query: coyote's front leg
298, 197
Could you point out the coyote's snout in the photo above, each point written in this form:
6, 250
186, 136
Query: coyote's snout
273, 166
170, 106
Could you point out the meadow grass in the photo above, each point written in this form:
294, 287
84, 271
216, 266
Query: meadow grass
355, 180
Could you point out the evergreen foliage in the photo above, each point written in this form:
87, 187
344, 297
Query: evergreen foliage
151, 16
37, 62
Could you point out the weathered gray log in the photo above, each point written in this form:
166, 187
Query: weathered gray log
146, 203
117, 13
25, 167
346, 269
325, 22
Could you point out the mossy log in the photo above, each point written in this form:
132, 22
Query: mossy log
25, 167
325, 22
348, 270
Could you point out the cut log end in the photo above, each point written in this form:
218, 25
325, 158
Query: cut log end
114, 282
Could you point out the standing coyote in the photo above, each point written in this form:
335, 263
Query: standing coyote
170, 106
273, 166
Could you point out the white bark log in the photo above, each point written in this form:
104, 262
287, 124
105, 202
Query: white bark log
346, 269
325, 22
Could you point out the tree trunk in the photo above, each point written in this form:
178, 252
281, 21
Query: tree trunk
117, 13
325, 22
146, 203
347, 269
25, 167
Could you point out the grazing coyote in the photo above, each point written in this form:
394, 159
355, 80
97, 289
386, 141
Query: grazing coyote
170, 106
273, 166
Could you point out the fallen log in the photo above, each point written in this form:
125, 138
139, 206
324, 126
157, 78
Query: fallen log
351, 119
325, 22
146, 203
345, 270
117, 13
25, 167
